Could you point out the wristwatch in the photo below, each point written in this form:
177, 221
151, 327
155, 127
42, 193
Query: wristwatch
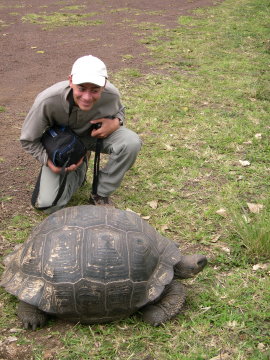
121, 122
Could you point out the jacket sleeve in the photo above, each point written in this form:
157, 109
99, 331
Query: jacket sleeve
33, 127
121, 114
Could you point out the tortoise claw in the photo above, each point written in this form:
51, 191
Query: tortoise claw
32, 325
25, 325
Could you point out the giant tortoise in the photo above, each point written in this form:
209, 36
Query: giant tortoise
94, 264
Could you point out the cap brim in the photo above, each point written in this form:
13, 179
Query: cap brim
88, 78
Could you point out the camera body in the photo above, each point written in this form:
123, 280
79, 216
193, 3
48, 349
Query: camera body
98, 125
95, 127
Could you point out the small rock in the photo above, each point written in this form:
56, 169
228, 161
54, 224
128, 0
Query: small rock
14, 330
244, 163
153, 204
146, 217
11, 339
164, 227
255, 208
260, 267
168, 147
222, 212
226, 249
127, 209
215, 238
222, 356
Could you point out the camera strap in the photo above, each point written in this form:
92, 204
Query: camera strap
97, 163
96, 166
71, 102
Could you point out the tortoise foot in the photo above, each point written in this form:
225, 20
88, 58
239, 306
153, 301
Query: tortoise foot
154, 315
168, 306
31, 316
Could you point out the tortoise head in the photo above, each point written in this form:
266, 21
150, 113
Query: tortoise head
189, 266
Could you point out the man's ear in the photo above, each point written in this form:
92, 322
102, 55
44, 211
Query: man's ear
70, 80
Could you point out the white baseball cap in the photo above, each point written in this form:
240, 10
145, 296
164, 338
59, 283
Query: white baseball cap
89, 69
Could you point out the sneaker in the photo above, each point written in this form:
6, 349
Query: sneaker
100, 200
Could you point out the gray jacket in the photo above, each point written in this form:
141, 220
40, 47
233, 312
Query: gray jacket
52, 107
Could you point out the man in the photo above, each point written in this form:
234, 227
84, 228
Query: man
87, 98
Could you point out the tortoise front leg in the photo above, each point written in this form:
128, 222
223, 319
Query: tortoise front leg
31, 316
169, 305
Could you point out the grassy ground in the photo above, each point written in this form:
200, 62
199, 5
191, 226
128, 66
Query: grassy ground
202, 179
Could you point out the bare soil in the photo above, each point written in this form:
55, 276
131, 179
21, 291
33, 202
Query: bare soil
32, 59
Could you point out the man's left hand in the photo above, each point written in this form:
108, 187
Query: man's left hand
74, 167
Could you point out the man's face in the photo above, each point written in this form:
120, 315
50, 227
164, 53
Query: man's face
85, 95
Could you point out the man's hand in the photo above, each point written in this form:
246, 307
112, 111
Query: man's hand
57, 170
108, 126
74, 167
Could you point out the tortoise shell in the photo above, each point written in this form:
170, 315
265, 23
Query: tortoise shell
91, 264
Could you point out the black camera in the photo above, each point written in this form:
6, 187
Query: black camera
95, 127
98, 125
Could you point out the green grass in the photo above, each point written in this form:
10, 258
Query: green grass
253, 230
19, 228
59, 19
198, 113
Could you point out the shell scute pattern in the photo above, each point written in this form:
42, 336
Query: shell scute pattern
163, 274
90, 297
13, 281
165, 247
115, 302
50, 224
144, 258
124, 220
31, 256
62, 255
105, 255
139, 295
57, 299
79, 216
12, 263
31, 290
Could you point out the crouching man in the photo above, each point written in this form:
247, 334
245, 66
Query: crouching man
85, 99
